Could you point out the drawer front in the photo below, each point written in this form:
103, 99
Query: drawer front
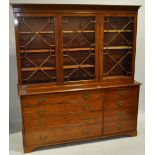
46, 99
119, 126
61, 109
123, 96
66, 120
120, 103
64, 134
120, 115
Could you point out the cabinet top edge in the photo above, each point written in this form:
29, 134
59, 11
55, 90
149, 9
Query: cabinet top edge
18, 8
42, 89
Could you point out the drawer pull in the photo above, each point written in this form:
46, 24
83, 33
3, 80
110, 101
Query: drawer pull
122, 92
42, 112
120, 103
43, 137
41, 100
119, 126
86, 132
86, 106
86, 95
120, 114
42, 124
87, 119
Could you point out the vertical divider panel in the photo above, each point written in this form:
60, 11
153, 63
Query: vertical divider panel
101, 45
59, 54
97, 50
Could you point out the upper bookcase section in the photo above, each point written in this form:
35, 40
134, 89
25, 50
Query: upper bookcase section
61, 44
73, 8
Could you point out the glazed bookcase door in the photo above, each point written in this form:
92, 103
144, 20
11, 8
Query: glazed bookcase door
78, 36
37, 49
118, 46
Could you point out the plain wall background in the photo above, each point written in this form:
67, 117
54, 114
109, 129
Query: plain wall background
14, 108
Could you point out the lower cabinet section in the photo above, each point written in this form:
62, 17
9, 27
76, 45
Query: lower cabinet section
81, 115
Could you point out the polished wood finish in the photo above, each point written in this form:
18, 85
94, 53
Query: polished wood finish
76, 67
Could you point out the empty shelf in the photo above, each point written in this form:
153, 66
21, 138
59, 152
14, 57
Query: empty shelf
37, 68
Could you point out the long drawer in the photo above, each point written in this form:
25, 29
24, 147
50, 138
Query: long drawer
46, 99
63, 134
66, 120
59, 109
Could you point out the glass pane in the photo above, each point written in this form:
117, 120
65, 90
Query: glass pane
78, 48
118, 44
37, 49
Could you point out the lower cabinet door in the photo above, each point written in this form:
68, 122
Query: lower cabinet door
64, 134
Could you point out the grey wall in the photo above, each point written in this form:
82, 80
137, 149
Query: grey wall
15, 113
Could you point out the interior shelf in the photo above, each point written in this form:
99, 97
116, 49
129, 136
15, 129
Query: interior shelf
118, 47
37, 68
37, 51
78, 49
118, 31
52, 32
42, 32
84, 31
80, 66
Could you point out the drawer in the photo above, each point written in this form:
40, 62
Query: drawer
64, 134
61, 109
46, 99
112, 104
70, 120
119, 126
117, 115
124, 93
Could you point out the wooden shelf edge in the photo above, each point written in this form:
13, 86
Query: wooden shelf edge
112, 31
37, 68
52, 32
78, 49
37, 51
80, 66
118, 47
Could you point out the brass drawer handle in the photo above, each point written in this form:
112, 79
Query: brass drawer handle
122, 92
119, 126
86, 95
42, 112
120, 114
87, 119
120, 103
86, 132
86, 106
43, 137
41, 100
42, 124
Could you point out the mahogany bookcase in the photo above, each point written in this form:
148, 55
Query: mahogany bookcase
76, 67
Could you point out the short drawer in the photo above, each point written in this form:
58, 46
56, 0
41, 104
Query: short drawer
67, 120
46, 99
58, 109
120, 115
64, 134
119, 126
121, 93
119, 103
